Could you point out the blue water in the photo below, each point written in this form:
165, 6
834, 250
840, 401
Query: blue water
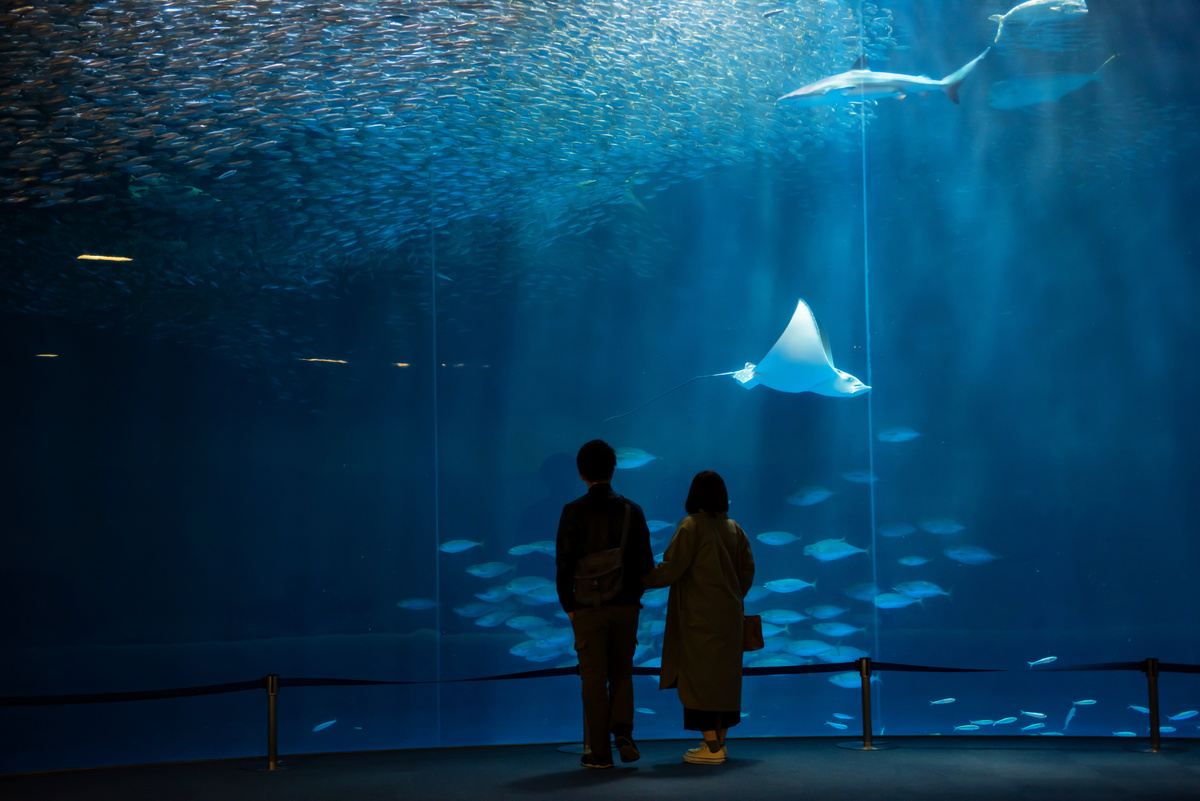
1018, 287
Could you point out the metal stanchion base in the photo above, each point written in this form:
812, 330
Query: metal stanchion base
858, 745
574, 748
265, 767
1162, 749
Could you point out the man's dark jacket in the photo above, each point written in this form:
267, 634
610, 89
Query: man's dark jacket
572, 544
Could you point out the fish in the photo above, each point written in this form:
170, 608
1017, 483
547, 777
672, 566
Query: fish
1191, 713
896, 529
1127, 733
632, 458
913, 561
1030, 90
801, 361
771, 630
832, 628
984, 722
809, 496
1033, 714
1086, 702
841, 726
1035, 12
655, 598
920, 589
542, 594
843, 716
897, 434
807, 647
1142, 709
494, 594
1033, 726
526, 584
533, 547
865, 591
894, 600
417, 604
1003, 721
829, 550
458, 546
775, 660
859, 84
942, 701
967, 727
526, 622
786, 585
644, 710
860, 477
970, 555
490, 569
782, 617
759, 591
850, 679
1045, 660
1070, 715
776, 537
825, 611
493, 619
325, 725
473, 609
941, 525
842, 653
658, 525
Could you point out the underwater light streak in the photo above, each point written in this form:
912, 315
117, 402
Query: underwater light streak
46, 355
91, 257
331, 361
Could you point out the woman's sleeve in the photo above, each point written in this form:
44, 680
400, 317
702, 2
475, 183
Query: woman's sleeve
676, 560
745, 562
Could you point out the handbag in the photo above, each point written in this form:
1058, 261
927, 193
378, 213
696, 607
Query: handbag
598, 574
752, 636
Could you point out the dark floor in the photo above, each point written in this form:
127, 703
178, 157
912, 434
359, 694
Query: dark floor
762, 770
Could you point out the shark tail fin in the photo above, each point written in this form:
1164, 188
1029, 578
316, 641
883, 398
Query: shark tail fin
952, 81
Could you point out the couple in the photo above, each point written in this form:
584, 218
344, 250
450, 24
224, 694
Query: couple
708, 567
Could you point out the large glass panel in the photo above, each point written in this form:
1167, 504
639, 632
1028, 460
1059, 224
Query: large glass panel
307, 307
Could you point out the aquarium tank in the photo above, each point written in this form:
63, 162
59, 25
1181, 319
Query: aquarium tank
307, 306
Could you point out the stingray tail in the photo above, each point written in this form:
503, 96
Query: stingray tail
668, 392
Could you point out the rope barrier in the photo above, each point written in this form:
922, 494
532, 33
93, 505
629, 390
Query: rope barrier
781, 670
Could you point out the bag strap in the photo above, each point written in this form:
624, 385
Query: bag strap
625, 527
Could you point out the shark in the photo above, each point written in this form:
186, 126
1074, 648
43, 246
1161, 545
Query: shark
861, 84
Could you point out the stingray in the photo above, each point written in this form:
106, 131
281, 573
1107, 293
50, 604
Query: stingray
800, 361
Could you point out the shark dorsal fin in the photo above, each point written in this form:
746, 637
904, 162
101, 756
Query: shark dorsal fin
860, 63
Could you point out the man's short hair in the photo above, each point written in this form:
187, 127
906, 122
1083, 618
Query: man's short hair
596, 461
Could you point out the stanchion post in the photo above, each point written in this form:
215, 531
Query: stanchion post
868, 743
864, 673
1150, 668
272, 684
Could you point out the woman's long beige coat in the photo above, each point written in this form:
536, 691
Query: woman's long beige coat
709, 567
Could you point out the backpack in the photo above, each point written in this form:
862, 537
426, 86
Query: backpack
598, 575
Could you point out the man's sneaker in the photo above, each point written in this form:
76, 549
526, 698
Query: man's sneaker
703, 756
589, 761
628, 748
